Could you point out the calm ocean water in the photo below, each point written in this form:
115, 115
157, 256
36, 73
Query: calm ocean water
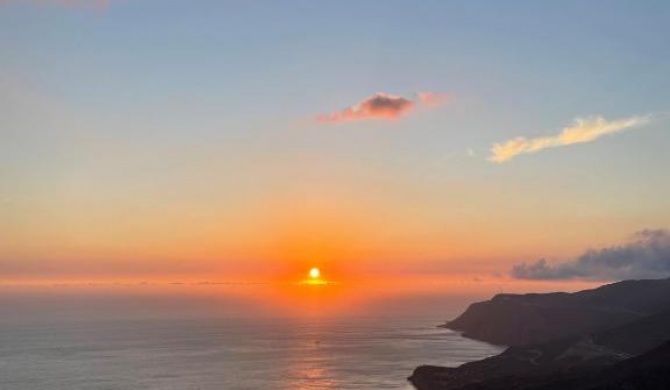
358, 352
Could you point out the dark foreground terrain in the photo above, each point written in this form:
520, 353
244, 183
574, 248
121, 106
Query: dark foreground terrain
613, 337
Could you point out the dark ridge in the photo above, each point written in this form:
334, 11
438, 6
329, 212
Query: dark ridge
519, 319
650, 371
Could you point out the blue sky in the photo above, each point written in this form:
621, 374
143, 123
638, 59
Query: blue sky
191, 106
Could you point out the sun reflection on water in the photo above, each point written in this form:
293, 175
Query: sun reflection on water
310, 369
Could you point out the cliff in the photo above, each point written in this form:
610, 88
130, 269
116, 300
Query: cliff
511, 319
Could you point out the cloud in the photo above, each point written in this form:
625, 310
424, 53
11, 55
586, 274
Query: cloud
384, 106
582, 130
647, 255
431, 99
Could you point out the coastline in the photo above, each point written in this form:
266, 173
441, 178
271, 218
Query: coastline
555, 336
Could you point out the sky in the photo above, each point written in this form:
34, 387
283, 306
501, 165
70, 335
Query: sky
252, 140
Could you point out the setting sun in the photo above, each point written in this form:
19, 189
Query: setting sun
315, 277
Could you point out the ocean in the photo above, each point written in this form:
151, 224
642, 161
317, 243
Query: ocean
376, 350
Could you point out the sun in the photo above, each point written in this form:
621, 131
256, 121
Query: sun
315, 278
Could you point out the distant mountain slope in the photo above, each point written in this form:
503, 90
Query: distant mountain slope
511, 319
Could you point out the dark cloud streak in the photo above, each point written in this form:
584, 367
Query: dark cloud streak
384, 106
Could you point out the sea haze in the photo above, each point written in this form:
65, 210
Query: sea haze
127, 340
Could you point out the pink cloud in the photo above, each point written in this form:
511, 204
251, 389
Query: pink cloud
383, 106
432, 99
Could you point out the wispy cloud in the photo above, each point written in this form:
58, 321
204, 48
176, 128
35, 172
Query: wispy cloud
431, 99
647, 255
581, 131
384, 106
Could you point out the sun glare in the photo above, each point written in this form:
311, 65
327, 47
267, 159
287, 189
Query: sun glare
314, 277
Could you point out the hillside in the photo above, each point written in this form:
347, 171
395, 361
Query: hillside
520, 319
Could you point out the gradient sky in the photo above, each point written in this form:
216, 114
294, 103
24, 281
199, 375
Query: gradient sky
168, 139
